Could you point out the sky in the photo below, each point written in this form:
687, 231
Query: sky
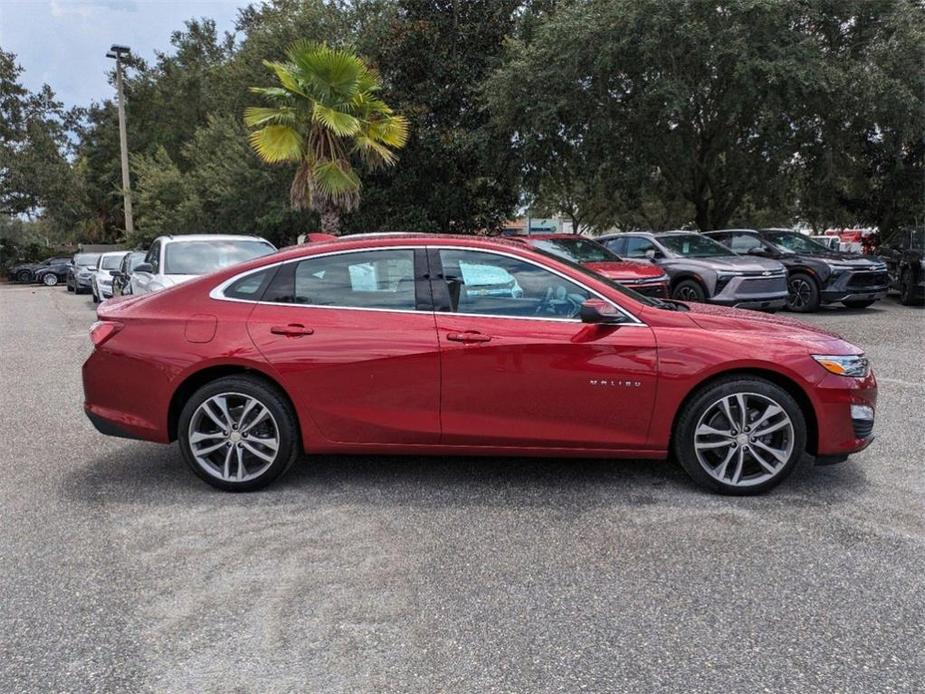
63, 43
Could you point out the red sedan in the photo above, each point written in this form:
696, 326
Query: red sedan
410, 344
644, 278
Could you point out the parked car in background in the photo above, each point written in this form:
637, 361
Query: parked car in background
101, 279
28, 272
646, 279
377, 345
816, 274
174, 259
905, 260
121, 278
80, 271
52, 273
701, 269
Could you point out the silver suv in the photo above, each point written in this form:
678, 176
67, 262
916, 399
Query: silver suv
701, 269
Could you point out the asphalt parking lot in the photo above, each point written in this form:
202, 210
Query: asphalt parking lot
120, 570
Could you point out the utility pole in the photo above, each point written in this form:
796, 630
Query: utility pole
117, 52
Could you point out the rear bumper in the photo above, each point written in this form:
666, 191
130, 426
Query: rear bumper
119, 410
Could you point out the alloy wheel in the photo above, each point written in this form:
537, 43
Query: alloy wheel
234, 437
687, 293
800, 292
50, 280
744, 439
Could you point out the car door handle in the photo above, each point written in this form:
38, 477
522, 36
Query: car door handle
468, 336
292, 330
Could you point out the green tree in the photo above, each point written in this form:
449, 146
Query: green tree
325, 114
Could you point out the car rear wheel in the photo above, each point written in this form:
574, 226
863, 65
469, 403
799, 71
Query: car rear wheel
24, 276
740, 436
803, 293
238, 433
688, 290
50, 280
858, 303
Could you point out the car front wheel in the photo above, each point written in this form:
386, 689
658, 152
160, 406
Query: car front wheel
50, 280
238, 433
803, 293
688, 290
740, 436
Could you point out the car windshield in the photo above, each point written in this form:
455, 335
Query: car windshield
693, 246
87, 259
577, 250
792, 241
111, 262
135, 259
205, 256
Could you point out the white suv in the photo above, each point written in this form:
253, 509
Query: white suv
101, 279
175, 259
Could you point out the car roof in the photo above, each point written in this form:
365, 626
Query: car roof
404, 239
548, 237
209, 237
621, 234
107, 254
726, 231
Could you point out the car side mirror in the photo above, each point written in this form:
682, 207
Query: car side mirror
757, 250
144, 267
600, 312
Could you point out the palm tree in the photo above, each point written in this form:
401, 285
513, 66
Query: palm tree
325, 115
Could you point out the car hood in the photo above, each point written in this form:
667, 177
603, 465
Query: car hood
764, 325
624, 270
736, 263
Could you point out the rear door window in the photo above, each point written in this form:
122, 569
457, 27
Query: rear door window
382, 279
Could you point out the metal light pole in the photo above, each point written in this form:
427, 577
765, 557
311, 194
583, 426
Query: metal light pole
116, 53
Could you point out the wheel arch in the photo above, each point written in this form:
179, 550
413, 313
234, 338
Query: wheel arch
788, 384
199, 378
684, 275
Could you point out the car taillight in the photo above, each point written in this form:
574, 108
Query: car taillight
102, 330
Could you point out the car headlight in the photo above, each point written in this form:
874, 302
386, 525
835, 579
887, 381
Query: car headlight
855, 365
726, 274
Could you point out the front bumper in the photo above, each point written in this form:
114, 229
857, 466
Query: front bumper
856, 286
845, 412
762, 292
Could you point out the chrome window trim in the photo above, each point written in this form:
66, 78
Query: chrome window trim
217, 292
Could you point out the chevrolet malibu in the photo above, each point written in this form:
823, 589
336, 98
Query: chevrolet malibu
379, 345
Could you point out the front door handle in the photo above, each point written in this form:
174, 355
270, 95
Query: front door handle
291, 330
468, 336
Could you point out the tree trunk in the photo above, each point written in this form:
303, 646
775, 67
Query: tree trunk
330, 220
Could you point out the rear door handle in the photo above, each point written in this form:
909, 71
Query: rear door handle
291, 330
468, 336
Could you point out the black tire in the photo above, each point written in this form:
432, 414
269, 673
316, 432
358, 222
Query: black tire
907, 295
858, 303
70, 288
96, 299
50, 280
283, 417
760, 392
24, 276
689, 290
802, 293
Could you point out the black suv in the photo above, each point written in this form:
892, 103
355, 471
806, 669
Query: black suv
905, 261
815, 274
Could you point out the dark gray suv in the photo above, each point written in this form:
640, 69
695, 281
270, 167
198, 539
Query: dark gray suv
702, 270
